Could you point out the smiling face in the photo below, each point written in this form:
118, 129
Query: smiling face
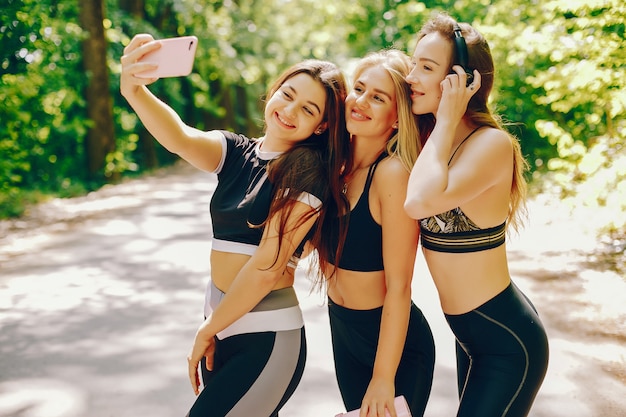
371, 107
431, 63
294, 111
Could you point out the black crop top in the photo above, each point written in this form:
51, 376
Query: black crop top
454, 232
363, 247
243, 195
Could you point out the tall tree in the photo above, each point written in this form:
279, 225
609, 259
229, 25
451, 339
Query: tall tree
136, 9
101, 133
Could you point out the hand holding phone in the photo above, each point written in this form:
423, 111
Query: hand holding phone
174, 58
402, 409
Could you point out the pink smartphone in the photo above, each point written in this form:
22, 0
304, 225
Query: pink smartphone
175, 58
402, 409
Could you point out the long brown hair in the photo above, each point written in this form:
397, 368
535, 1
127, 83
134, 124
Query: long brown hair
316, 162
478, 112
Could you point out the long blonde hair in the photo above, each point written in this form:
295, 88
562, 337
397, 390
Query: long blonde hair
403, 143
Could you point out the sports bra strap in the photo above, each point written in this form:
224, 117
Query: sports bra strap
462, 142
370, 172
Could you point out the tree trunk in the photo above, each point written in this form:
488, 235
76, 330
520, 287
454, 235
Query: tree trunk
101, 134
135, 8
147, 153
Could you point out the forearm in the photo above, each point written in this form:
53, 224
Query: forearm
392, 336
250, 286
261, 274
159, 119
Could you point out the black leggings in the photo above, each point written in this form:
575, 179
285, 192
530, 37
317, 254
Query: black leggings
502, 356
355, 340
254, 375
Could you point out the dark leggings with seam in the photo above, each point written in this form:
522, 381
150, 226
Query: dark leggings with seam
354, 336
254, 375
502, 356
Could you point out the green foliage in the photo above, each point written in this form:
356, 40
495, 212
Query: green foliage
571, 63
560, 80
43, 109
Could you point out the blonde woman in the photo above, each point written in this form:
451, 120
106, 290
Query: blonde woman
382, 344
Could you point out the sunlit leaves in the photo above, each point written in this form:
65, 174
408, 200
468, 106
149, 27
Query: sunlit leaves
570, 56
41, 118
560, 73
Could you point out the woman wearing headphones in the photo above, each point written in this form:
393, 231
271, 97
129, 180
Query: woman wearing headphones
466, 189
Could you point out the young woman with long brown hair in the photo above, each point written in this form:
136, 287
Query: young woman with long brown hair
273, 193
466, 188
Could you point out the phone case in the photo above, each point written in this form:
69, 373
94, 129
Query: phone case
175, 58
402, 409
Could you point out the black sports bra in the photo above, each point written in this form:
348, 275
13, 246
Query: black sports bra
363, 247
454, 232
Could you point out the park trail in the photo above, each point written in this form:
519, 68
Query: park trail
100, 297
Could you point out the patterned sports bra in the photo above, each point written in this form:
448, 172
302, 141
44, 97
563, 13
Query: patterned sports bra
454, 232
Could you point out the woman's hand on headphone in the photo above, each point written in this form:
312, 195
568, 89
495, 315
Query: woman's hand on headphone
456, 93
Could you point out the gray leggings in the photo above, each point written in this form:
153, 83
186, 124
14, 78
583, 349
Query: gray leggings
254, 373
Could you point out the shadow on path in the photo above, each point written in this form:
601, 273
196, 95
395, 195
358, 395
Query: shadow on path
100, 298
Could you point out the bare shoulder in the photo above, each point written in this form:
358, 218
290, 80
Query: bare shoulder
391, 178
492, 141
487, 148
391, 170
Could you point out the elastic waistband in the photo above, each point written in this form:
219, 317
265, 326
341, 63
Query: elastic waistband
277, 311
504, 300
348, 314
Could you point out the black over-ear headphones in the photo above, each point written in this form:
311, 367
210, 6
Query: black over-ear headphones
460, 56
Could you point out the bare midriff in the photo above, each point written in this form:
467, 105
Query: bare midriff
225, 266
467, 280
357, 290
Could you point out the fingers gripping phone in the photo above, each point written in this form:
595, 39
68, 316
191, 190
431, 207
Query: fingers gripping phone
174, 58
460, 55
402, 409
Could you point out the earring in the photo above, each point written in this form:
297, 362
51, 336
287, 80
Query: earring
318, 131
395, 126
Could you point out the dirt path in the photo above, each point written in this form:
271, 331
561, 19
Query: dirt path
583, 304
100, 297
